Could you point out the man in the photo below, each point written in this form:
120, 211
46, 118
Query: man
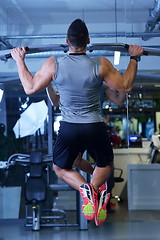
81, 163
78, 79
109, 95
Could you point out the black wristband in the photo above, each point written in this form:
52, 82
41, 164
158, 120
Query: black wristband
137, 58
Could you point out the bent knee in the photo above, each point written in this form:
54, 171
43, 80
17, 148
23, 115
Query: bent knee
58, 171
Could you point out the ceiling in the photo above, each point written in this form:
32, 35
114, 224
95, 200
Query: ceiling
41, 22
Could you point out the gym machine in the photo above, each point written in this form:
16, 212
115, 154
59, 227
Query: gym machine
36, 188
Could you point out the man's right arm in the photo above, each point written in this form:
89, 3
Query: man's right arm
38, 81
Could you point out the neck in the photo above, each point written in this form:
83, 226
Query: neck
77, 50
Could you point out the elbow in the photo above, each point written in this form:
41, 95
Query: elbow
29, 91
126, 89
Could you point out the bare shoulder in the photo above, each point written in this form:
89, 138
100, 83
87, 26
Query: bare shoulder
106, 67
49, 63
50, 60
49, 67
104, 61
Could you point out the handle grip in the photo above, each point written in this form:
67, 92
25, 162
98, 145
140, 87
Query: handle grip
144, 53
7, 56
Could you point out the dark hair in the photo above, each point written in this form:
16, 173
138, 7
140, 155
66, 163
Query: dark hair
77, 34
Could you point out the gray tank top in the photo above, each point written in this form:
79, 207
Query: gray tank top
78, 83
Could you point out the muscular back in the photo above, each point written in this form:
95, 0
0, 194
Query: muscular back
78, 82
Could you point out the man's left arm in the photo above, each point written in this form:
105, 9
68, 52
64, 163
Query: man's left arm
114, 96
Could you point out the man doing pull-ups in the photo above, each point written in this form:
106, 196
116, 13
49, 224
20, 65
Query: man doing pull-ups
78, 79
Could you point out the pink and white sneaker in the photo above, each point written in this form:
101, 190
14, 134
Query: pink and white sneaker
103, 187
101, 213
90, 201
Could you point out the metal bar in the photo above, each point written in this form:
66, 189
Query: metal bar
61, 53
50, 128
5, 54
5, 43
92, 35
61, 187
83, 223
54, 224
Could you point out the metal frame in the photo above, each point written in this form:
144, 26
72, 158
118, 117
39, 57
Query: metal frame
92, 35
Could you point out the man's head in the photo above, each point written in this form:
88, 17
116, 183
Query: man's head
77, 34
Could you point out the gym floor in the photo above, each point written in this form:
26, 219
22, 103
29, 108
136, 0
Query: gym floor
147, 230
120, 225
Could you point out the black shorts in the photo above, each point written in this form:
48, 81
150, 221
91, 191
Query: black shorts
77, 137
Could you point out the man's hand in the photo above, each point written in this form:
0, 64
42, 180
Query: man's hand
135, 50
18, 54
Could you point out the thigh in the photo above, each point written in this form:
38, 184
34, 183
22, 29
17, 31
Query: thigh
67, 145
98, 144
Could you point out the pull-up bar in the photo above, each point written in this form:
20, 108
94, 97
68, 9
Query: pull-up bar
6, 54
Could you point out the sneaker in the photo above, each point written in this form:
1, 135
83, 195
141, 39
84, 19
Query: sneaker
101, 214
89, 196
103, 187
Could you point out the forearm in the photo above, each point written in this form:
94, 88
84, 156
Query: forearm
25, 76
130, 73
129, 76
41, 78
